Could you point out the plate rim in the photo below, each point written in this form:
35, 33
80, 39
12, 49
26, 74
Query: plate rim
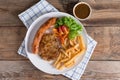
32, 26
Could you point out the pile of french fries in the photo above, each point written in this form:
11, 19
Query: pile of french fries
67, 58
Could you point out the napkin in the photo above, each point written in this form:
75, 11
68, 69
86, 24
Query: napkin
40, 8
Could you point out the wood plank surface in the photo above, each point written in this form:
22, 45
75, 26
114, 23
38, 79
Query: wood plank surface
105, 12
103, 26
108, 39
102, 70
9, 9
24, 70
10, 40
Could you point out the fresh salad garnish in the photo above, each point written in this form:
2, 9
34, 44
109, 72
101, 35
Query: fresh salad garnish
74, 28
61, 32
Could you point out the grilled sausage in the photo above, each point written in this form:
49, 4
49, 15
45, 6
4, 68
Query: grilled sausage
40, 32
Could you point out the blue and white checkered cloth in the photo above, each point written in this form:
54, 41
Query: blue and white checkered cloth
42, 7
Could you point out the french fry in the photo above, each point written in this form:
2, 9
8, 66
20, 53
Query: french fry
68, 56
71, 43
64, 60
73, 58
57, 59
69, 53
68, 50
75, 41
65, 41
82, 44
70, 65
72, 48
76, 47
61, 67
65, 53
58, 65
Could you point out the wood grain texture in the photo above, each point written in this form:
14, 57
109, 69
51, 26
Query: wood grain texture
9, 10
103, 26
102, 70
10, 40
108, 39
96, 70
105, 12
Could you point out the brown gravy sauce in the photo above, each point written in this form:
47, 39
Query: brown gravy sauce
82, 11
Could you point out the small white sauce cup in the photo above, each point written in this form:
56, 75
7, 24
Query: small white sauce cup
85, 4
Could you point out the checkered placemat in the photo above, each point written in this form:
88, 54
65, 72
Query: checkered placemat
42, 7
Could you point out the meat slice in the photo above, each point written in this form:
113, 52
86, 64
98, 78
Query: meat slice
49, 47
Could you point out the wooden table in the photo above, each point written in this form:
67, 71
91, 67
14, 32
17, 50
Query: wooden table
103, 26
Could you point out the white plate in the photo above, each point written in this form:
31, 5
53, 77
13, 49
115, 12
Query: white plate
36, 60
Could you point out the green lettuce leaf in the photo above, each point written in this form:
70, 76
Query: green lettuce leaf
74, 28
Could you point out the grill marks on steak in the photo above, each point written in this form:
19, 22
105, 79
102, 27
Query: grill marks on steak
49, 47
